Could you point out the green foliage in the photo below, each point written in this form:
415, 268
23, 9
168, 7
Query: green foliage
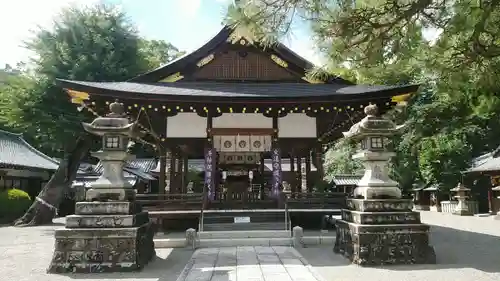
13, 204
158, 52
453, 118
339, 159
92, 44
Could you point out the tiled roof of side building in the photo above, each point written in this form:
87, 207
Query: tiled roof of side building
486, 162
15, 151
143, 164
346, 179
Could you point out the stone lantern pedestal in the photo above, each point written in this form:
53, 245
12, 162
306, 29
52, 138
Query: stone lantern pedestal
379, 227
462, 208
109, 231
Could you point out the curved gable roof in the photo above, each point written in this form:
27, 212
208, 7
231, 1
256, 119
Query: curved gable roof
192, 58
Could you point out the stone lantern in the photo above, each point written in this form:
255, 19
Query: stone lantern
496, 191
462, 208
373, 132
379, 227
115, 130
109, 231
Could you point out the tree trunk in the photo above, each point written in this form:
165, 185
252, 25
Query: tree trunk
44, 208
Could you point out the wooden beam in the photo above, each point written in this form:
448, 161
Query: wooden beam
240, 131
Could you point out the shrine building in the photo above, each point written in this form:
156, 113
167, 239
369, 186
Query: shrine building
235, 105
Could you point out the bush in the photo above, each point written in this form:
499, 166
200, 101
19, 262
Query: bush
13, 204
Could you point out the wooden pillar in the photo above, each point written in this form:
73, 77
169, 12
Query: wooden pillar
163, 170
308, 172
162, 157
292, 171
262, 179
298, 174
319, 162
181, 173
172, 172
185, 170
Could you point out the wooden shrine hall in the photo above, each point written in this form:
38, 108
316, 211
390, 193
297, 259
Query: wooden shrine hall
235, 103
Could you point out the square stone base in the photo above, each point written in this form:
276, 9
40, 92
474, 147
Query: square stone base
463, 213
384, 244
95, 250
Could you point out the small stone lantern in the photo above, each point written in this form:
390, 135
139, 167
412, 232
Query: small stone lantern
496, 191
373, 133
115, 130
462, 208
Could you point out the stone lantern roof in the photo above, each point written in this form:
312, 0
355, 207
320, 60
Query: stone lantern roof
460, 188
372, 124
115, 122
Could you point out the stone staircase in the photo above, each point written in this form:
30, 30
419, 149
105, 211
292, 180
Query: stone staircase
244, 228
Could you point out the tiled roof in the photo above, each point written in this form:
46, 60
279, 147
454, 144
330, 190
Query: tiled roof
241, 89
346, 179
486, 162
143, 164
135, 169
87, 181
15, 151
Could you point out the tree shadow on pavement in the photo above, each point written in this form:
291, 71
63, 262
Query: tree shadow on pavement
454, 249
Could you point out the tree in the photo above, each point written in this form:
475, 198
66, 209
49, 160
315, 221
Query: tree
44, 208
93, 44
158, 52
454, 116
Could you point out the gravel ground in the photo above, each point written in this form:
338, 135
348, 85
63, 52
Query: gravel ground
468, 249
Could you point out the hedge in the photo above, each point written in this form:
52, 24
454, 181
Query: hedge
13, 204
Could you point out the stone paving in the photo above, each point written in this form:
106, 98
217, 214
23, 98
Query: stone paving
467, 248
248, 264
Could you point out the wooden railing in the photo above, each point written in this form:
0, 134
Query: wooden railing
247, 200
315, 200
160, 202
450, 206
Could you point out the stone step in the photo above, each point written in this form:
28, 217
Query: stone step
261, 241
244, 234
244, 226
244, 214
235, 242
170, 243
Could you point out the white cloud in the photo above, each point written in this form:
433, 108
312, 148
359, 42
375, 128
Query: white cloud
19, 17
188, 8
306, 48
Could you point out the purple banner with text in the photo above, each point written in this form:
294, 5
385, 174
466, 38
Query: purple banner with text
210, 158
276, 162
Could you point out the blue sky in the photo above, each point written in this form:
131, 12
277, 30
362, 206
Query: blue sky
187, 24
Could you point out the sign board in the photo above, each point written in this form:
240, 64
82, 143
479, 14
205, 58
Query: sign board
241, 219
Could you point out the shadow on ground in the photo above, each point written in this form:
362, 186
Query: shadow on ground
166, 266
454, 249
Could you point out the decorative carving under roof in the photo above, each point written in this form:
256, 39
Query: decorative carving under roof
173, 78
241, 33
204, 61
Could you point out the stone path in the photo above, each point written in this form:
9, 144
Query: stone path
248, 264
